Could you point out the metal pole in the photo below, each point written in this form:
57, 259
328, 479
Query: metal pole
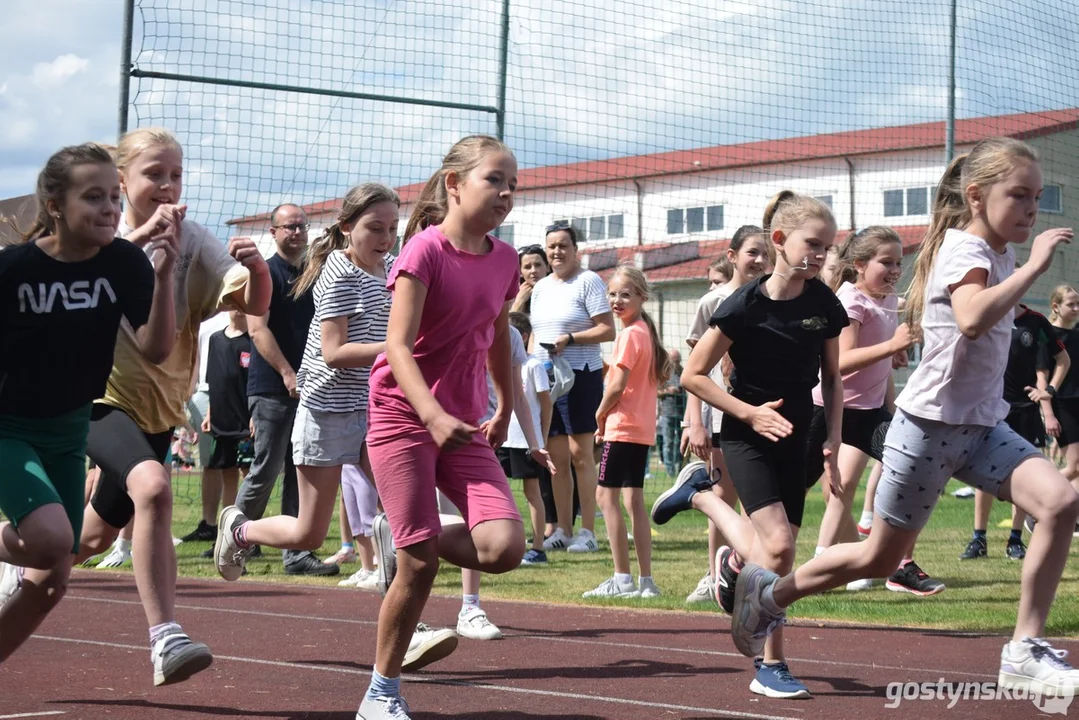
503, 54
125, 65
949, 139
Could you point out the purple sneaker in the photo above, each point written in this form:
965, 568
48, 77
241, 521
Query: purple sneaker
751, 622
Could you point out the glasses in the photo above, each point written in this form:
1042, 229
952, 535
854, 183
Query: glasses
531, 250
293, 228
557, 226
623, 296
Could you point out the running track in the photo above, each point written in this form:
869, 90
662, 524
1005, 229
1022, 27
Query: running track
287, 651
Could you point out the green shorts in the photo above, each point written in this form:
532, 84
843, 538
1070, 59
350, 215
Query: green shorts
43, 461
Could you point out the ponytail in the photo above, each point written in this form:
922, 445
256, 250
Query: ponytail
430, 208
662, 367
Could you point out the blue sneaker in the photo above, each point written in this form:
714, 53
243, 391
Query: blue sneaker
751, 622
693, 479
776, 681
534, 557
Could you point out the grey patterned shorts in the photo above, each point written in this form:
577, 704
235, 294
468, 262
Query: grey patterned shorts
921, 455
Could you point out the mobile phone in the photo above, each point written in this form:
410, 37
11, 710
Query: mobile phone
547, 346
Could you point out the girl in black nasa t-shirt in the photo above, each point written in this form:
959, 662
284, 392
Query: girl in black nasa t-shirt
63, 293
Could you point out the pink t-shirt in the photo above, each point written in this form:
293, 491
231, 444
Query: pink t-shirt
865, 389
465, 294
633, 418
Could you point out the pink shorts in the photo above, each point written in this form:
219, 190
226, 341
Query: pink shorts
409, 467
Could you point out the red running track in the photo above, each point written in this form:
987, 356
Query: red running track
287, 651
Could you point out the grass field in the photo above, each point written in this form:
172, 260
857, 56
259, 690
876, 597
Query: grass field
981, 595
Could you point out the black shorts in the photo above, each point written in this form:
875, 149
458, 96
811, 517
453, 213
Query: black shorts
230, 453
117, 444
1067, 412
623, 465
765, 472
575, 412
1026, 420
517, 463
862, 429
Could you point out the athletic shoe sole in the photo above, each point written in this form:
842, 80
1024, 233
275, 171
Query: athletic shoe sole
762, 689
387, 556
193, 659
683, 478
225, 568
745, 615
441, 644
896, 587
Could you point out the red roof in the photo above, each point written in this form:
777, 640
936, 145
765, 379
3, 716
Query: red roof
768, 152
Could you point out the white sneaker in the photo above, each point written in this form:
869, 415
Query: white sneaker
10, 582
1038, 667
611, 588
229, 557
383, 708
385, 552
342, 557
705, 591
860, 585
557, 541
583, 542
472, 623
361, 579
118, 555
648, 588
176, 658
428, 646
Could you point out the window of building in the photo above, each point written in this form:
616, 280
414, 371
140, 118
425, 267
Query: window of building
715, 217
694, 219
907, 201
917, 202
615, 226
675, 224
597, 227
1051, 200
826, 199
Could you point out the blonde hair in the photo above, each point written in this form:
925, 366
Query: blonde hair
358, 201
1056, 298
662, 365
788, 211
137, 141
433, 203
861, 246
988, 162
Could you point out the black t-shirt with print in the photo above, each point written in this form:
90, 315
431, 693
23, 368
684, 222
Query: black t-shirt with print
58, 324
227, 362
1070, 339
1033, 346
289, 321
776, 345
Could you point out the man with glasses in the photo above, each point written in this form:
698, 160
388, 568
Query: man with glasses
278, 339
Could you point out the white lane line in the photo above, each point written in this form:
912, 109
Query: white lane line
456, 683
33, 714
571, 641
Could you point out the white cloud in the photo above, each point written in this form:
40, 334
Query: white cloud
51, 75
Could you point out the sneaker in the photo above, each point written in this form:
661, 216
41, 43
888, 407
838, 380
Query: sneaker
428, 646
583, 542
726, 580
693, 479
776, 681
964, 492
228, 555
119, 555
1038, 667
176, 658
205, 532
309, 565
383, 708
472, 623
648, 588
611, 588
534, 557
385, 552
912, 579
343, 556
705, 591
752, 623
1015, 550
976, 548
362, 580
208, 553
1029, 524
860, 585
558, 540
10, 581
864, 530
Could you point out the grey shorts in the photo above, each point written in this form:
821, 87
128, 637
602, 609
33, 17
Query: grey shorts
921, 455
325, 439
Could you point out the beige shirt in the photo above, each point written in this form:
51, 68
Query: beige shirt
706, 307
204, 277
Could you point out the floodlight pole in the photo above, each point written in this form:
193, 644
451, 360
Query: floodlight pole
503, 55
125, 65
949, 139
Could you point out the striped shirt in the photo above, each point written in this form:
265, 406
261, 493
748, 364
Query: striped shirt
567, 306
343, 290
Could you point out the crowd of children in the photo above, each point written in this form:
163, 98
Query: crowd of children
419, 393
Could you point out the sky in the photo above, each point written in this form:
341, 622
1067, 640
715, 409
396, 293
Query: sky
585, 80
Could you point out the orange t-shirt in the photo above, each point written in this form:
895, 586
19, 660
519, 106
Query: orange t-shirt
633, 418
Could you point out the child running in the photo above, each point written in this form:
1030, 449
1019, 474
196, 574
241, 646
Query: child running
68, 285
950, 417
452, 286
781, 330
626, 425
1063, 314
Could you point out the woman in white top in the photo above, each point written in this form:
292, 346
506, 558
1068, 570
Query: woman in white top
571, 317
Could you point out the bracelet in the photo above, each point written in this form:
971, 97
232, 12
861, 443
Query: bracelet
571, 341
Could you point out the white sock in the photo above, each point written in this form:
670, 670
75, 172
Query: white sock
470, 601
642, 578
1018, 647
819, 550
623, 578
122, 544
867, 519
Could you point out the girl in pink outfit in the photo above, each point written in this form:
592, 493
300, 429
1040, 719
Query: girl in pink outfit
452, 286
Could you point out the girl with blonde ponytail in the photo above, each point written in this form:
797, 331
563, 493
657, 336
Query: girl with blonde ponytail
949, 419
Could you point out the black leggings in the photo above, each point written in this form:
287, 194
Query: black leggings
116, 445
863, 429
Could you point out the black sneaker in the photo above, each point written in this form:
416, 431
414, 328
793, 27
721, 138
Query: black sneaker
727, 579
203, 533
208, 553
912, 579
308, 564
256, 552
1016, 550
976, 548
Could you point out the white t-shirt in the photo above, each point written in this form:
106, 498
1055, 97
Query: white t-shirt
706, 308
206, 329
518, 357
535, 381
343, 290
568, 306
960, 381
